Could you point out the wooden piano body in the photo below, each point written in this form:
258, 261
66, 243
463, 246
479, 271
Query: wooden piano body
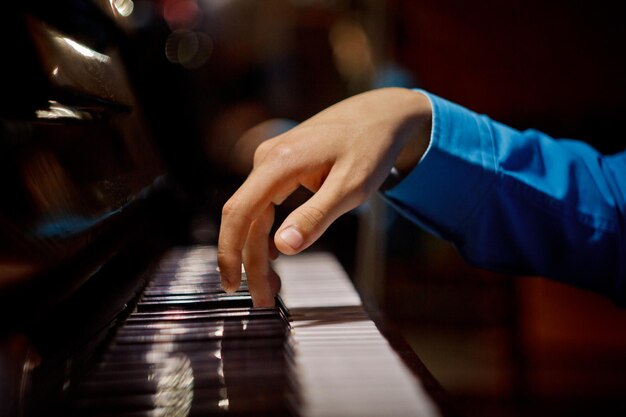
109, 295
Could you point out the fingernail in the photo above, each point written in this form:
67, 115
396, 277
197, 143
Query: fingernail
292, 237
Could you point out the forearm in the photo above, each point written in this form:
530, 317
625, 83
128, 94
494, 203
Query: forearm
520, 201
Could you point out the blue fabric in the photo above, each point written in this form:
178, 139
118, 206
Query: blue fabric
520, 201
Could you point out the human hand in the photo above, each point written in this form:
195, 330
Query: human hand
343, 154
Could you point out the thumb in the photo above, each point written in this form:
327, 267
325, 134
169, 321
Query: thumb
309, 221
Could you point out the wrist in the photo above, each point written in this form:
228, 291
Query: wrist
417, 138
414, 138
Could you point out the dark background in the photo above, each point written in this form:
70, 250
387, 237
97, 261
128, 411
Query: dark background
205, 71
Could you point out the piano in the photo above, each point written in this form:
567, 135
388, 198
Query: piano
109, 291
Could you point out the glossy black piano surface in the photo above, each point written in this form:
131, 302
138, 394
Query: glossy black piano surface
90, 194
109, 294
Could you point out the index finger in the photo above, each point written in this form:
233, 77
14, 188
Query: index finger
262, 186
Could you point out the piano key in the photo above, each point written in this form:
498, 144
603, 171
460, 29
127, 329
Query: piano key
264, 352
139, 350
317, 354
219, 333
241, 313
343, 363
206, 302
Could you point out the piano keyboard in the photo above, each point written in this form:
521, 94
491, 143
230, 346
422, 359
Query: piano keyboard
344, 365
189, 349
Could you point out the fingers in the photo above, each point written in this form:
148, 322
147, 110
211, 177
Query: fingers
233, 232
342, 154
309, 221
247, 146
274, 279
261, 278
273, 252
239, 214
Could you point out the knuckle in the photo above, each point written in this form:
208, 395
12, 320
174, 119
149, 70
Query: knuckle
282, 152
312, 216
232, 210
224, 255
229, 208
278, 154
225, 258
261, 151
223, 263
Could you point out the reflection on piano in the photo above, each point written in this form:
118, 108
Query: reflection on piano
109, 294
190, 349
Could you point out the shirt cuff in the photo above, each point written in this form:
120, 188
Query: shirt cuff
454, 174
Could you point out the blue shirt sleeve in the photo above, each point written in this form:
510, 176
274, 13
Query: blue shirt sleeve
521, 201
